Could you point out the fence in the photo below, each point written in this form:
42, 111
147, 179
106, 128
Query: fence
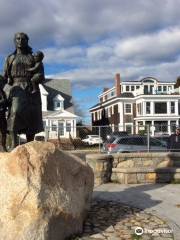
127, 138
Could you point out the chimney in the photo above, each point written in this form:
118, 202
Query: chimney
118, 84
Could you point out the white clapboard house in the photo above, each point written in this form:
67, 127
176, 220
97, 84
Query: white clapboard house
59, 118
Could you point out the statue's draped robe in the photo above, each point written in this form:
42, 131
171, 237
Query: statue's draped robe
25, 114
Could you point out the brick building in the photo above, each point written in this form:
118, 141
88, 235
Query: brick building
128, 105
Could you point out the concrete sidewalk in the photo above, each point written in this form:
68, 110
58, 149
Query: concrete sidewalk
162, 200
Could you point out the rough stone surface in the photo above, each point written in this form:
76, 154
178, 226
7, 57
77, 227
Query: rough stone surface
45, 193
117, 221
102, 167
145, 167
135, 168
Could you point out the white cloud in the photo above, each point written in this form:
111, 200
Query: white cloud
98, 38
62, 55
70, 22
161, 46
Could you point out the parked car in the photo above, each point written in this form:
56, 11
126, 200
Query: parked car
92, 140
134, 143
163, 138
109, 137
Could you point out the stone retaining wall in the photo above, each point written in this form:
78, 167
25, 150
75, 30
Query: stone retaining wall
130, 168
102, 167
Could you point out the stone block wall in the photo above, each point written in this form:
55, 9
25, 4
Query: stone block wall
134, 168
102, 167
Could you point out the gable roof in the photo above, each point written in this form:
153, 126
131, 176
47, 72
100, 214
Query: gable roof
56, 87
59, 97
61, 114
63, 85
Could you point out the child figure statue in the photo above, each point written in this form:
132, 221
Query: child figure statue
37, 70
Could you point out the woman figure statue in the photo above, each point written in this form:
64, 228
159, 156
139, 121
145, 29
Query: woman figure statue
25, 114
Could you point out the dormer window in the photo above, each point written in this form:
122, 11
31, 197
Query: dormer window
58, 102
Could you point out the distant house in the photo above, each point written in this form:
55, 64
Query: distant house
129, 105
59, 118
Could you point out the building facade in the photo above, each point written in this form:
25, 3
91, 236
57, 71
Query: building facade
131, 105
59, 118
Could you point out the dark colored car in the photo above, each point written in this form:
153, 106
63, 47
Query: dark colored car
113, 135
164, 138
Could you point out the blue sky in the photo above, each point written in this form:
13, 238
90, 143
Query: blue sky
89, 41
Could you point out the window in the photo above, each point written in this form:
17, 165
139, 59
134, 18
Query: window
172, 107
148, 107
161, 126
58, 104
137, 141
128, 108
44, 123
123, 141
137, 87
132, 141
54, 126
146, 91
129, 129
68, 126
164, 88
61, 129
132, 88
112, 94
159, 88
155, 142
127, 88
148, 81
160, 107
173, 126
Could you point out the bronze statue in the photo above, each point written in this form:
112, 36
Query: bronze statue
37, 70
24, 102
3, 122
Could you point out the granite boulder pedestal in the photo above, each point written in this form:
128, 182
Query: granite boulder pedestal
44, 193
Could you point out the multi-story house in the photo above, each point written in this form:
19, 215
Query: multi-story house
59, 118
130, 105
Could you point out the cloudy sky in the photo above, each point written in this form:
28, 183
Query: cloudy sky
88, 41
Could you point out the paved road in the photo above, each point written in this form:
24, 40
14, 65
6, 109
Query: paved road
162, 200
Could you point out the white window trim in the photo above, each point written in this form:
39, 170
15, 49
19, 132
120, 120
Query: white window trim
174, 107
113, 109
146, 108
167, 108
109, 112
125, 109
100, 114
93, 116
129, 88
